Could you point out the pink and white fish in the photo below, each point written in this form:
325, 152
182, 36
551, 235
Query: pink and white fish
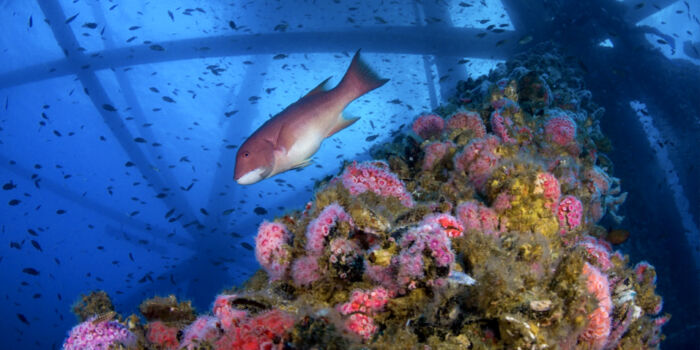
290, 138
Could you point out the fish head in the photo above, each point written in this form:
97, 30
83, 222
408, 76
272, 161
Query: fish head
254, 161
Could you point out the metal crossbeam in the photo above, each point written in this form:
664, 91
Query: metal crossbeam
440, 41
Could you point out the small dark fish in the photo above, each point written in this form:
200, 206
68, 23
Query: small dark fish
14, 202
113, 7
129, 164
168, 99
662, 41
134, 27
227, 212
31, 271
171, 16
484, 21
481, 35
395, 101
131, 39
36, 296
380, 20
153, 89
131, 256
140, 140
247, 246
134, 213
71, 18
31, 22
109, 108
60, 211
8, 186
639, 6
36, 245
279, 56
464, 4
203, 211
170, 212
23, 319
90, 25
32, 232
491, 27
260, 211
232, 24
501, 42
156, 47
371, 137
15, 245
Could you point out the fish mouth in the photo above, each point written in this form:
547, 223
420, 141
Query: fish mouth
251, 177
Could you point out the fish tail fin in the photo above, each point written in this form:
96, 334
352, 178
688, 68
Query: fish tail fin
360, 79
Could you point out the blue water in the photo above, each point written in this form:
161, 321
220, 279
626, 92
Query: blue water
120, 121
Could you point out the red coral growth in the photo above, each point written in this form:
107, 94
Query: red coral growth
570, 214
374, 176
320, 227
161, 335
305, 270
478, 159
225, 312
475, 216
599, 253
502, 127
434, 153
264, 331
361, 325
203, 329
548, 185
599, 321
365, 301
467, 120
428, 125
270, 248
560, 130
449, 224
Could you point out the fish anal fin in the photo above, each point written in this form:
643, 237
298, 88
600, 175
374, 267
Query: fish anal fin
320, 88
303, 164
341, 123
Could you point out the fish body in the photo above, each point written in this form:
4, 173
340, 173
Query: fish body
290, 138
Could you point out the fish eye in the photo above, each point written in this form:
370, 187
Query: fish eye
246, 154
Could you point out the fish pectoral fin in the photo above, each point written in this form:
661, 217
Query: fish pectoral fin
341, 123
319, 88
303, 164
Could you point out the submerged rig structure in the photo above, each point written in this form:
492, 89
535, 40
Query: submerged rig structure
478, 228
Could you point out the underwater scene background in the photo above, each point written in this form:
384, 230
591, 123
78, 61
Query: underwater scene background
527, 177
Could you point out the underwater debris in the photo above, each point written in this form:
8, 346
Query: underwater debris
478, 228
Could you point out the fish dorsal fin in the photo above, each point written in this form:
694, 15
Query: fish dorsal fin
320, 88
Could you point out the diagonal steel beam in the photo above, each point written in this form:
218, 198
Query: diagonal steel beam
438, 41
99, 97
